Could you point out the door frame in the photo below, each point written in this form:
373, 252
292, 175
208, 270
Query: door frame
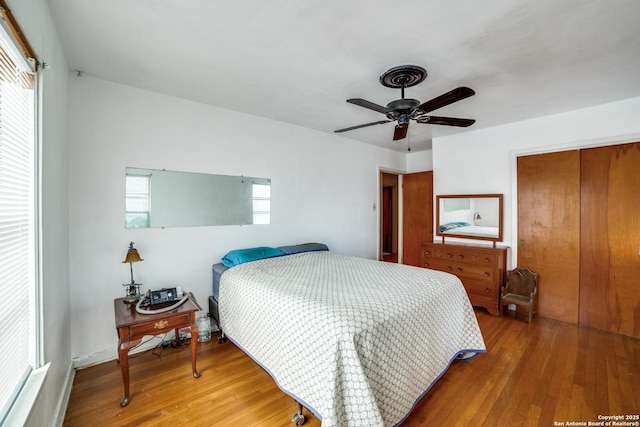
379, 206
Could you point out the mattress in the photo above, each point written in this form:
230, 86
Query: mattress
218, 269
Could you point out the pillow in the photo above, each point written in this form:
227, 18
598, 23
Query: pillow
240, 256
303, 247
451, 225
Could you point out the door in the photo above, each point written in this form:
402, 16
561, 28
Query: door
549, 229
610, 230
417, 214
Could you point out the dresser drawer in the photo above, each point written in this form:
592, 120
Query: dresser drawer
429, 251
437, 264
483, 289
159, 326
478, 273
470, 256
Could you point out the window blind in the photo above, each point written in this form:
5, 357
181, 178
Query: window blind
137, 201
17, 222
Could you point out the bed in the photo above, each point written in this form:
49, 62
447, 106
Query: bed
464, 222
469, 230
358, 342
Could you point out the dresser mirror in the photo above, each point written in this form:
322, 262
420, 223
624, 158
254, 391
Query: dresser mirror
470, 216
162, 198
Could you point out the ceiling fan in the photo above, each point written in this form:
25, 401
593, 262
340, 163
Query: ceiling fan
404, 110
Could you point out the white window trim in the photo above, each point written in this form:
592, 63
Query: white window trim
23, 406
24, 403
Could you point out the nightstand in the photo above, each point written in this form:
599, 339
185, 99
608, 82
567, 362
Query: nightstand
133, 326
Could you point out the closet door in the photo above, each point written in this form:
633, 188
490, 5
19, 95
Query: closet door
549, 229
610, 229
417, 214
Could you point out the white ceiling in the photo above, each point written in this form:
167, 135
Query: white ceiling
298, 61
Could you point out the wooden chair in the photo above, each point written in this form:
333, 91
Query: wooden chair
521, 288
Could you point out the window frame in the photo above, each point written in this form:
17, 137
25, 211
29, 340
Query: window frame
19, 406
137, 195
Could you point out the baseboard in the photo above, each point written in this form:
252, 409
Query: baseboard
87, 361
63, 402
149, 343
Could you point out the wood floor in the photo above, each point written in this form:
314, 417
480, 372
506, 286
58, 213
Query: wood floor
541, 374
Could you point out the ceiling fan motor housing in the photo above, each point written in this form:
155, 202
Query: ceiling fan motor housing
403, 106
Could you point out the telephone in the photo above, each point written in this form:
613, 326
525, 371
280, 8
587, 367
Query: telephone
162, 297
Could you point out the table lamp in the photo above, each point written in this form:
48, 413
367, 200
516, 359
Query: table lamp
133, 288
476, 216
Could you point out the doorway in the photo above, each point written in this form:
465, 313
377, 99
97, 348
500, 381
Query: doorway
389, 201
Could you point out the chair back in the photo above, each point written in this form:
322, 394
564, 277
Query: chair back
521, 281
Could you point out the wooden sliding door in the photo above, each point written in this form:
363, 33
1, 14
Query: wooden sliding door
610, 230
549, 229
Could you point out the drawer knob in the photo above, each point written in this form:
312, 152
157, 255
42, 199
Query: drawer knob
161, 324
487, 290
449, 268
486, 273
487, 259
459, 269
427, 253
449, 255
461, 256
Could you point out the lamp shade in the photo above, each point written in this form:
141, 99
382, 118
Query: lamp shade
132, 255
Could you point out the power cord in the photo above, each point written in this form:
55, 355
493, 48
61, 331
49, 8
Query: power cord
155, 337
183, 341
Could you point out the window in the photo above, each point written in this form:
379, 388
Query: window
137, 201
18, 239
261, 203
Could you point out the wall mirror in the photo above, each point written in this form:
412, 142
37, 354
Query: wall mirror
162, 198
470, 216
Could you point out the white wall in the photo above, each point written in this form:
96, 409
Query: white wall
420, 161
323, 189
35, 20
484, 161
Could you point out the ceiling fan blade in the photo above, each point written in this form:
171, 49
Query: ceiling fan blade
400, 132
446, 99
447, 121
370, 105
362, 126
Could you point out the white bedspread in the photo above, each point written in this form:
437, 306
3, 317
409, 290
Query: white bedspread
475, 230
356, 341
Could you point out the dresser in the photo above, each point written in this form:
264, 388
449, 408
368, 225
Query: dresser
480, 268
